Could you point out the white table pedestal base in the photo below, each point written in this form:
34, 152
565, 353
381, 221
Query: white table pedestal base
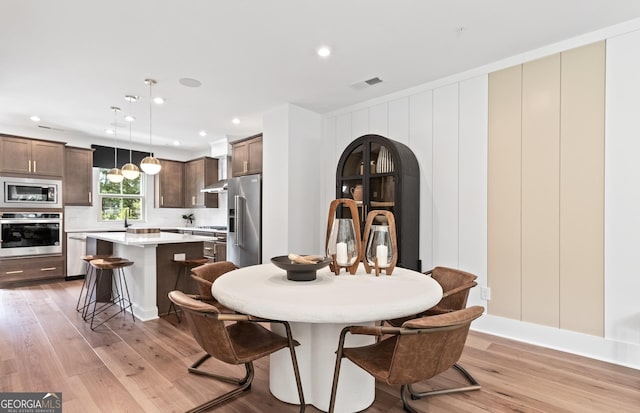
316, 360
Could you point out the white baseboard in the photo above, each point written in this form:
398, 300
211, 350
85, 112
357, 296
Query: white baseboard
599, 348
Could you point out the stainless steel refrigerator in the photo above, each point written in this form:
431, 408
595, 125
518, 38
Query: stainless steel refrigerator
244, 239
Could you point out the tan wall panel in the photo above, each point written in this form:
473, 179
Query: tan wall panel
582, 189
540, 190
504, 185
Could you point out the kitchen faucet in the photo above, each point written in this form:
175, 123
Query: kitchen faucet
126, 214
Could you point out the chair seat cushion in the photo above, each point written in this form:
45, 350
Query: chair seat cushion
252, 341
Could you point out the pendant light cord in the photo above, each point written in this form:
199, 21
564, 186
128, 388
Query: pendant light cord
150, 113
115, 137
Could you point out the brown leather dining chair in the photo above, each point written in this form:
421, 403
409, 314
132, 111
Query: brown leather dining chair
242, 341
421, 349
205, 275
455, 291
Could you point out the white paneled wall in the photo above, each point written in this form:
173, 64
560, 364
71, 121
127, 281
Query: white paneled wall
421, 142
622, 197
445, 176
447, 130
472, 180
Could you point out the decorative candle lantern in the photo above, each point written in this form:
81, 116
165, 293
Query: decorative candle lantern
343, 243
381, 243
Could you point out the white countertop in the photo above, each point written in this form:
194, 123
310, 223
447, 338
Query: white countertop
122, 229
141, 240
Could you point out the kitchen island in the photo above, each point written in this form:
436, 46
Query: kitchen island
154, 273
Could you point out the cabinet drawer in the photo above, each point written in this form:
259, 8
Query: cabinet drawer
27, 269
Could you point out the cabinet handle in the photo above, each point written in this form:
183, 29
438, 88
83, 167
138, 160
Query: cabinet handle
90, 197
193, 200
208, 249
29, 165
245, 166
161, 200
14, 272
34, 167
48, 269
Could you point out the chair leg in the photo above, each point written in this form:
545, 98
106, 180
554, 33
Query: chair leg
194, 369
336, 371
223, 398
296, 371
85, 286
405, 403
474, 386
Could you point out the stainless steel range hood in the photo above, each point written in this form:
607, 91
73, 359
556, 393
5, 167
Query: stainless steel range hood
221, 185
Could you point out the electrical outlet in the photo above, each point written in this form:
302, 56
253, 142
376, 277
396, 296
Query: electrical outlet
179, 257
485, 293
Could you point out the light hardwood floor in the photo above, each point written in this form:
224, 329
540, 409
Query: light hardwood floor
141, 367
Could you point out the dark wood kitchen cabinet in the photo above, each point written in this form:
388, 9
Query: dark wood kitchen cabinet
246, 156
31, 157
78, 176
382, 174
18, 270
198, 174
169, 185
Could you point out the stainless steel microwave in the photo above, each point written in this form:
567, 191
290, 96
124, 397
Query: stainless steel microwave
30, 193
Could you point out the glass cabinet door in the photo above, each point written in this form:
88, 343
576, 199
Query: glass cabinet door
368, 176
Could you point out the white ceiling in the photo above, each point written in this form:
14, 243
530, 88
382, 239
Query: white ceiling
68, 61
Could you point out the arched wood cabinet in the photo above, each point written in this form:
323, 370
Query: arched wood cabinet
380, 173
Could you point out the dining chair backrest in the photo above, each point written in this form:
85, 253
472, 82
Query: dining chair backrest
206, 274
455, 287
430, 345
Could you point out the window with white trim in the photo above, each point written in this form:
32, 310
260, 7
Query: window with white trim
118, 199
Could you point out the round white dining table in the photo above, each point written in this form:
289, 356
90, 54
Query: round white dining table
317, 311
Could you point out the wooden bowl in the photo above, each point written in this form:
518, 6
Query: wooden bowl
299, 272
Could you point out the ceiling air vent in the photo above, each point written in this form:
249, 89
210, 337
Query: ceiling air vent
366, 83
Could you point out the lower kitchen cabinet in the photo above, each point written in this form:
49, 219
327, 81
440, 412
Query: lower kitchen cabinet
17, 270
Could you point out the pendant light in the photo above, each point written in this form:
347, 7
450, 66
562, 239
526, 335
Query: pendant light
114, 174
130, 170
150, 165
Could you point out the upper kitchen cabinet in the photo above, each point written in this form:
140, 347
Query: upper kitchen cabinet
382, 174
200, 173
78, 176
31, 157
246, 156
169, 185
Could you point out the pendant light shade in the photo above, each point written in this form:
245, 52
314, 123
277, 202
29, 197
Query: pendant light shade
130, 170
150, 165
114, 174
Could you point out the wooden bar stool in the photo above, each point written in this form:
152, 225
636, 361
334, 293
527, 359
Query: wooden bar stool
119, 289
87, 285
184, 266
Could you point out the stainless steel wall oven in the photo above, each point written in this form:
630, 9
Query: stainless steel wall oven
30, 233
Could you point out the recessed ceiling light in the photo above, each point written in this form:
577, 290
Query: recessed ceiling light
189, 82
235, 121
129, 118
176, 143
324, 51
35, 118
158, 100
109, 131
202, 133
